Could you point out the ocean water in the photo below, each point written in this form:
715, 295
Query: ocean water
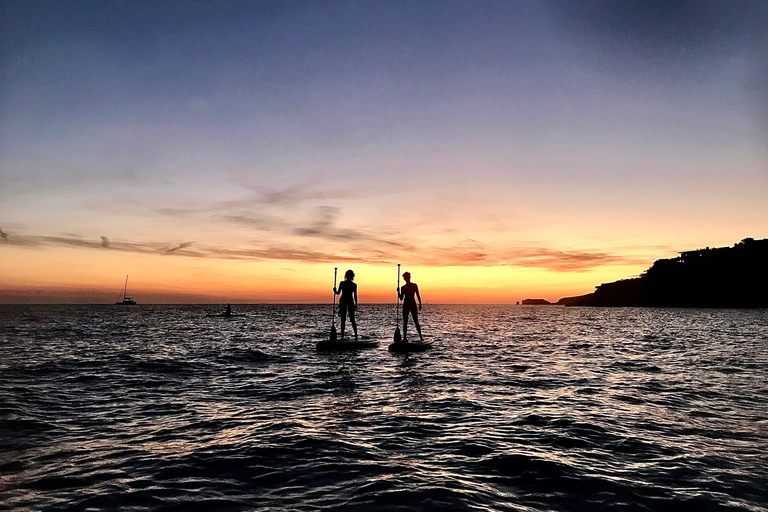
515, 408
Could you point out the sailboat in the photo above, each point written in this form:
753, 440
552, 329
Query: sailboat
127, 301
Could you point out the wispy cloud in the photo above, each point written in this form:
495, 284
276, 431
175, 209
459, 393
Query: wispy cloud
467, 252
257, 199
472, 253
103, 243
323, 226
286, 252
369, 249
294, 195
302, 223
179, 248
261, 223
563, 261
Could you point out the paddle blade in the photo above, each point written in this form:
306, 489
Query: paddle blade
333, 333
398, 336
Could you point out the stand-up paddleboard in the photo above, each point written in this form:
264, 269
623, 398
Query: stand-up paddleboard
411, 346
330, 345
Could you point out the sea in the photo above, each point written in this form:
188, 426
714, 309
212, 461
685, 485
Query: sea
514, 408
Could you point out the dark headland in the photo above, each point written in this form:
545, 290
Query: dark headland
721, 277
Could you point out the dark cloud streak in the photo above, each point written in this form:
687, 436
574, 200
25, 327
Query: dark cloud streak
369, 250
179, 248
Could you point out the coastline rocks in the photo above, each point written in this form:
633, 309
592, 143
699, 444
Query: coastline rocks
721, 277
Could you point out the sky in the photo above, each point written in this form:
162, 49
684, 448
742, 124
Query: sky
240, 151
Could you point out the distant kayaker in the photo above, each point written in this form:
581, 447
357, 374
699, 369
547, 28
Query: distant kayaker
228, 312
408, 294
347, 301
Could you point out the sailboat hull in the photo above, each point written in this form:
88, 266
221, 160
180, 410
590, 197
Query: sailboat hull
127, 301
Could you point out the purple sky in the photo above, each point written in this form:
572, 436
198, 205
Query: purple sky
628, 129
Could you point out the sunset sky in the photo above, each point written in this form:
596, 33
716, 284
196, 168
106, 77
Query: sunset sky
239, 151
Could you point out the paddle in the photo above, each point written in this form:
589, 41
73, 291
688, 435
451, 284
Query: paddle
398, 336
333, 311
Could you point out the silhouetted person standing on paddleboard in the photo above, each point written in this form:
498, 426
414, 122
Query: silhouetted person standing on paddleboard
348, 300
408, 294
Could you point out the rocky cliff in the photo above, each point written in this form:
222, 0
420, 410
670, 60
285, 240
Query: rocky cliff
722, 277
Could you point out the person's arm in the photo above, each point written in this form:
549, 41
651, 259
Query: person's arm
354, 295
418, 295
400, 293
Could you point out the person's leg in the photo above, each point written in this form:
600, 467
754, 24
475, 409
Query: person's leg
343, 315
416, 322
405, 323
352, 321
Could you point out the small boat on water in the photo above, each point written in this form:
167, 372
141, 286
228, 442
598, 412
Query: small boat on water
126, 300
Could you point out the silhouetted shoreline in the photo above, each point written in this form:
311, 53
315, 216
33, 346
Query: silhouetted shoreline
721, 277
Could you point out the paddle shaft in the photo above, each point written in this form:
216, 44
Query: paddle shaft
333, 311
397, 306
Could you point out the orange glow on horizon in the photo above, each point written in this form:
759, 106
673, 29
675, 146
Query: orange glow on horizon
29, 276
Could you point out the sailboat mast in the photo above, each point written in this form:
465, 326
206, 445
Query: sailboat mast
125, 289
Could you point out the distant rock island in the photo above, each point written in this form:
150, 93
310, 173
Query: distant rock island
536, 302
721, 277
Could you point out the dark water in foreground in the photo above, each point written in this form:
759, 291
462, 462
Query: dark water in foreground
515, 408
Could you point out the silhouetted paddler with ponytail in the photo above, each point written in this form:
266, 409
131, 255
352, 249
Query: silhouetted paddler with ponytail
408, 294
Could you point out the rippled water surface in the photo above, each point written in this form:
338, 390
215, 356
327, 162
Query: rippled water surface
515, 408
